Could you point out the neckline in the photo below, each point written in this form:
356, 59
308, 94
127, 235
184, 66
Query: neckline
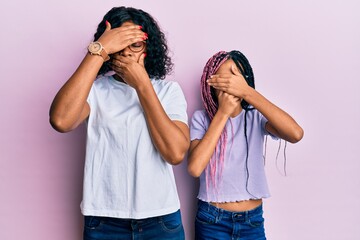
117, 82
239, 115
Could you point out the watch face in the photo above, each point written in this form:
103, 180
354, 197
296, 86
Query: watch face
95, 48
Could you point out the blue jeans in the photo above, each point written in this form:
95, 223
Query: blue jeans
162, 227
216, 223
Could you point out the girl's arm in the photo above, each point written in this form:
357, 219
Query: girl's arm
279, 122
201, 150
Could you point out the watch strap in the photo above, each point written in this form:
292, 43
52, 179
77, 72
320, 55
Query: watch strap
104, 54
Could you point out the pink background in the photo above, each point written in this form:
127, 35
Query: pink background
306, 59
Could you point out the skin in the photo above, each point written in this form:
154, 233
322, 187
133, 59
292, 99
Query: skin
70, 108
231, 88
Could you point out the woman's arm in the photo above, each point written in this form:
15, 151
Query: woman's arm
171, 138
279, 122
201, 150
69, 107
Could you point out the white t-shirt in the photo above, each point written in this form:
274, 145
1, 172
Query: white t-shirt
124, 175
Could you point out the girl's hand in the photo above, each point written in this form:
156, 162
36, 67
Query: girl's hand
227, 103
232, 83
132, 72
116, 39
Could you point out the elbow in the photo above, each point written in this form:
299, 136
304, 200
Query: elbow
193, 171
177, 155
175, 158
297, 135
59, 125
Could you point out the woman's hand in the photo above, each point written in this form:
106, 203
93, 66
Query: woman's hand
232, 83
116, 39
131, 71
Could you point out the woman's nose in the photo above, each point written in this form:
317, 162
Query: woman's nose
126, 52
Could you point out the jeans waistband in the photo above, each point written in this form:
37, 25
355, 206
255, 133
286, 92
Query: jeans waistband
135, 221
205, 206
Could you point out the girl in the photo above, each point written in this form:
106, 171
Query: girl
227, 146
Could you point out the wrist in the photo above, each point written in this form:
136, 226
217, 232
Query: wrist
223, 114
143, 88
248, 93
97, 49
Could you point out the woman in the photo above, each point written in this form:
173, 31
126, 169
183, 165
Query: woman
226, 149
136, 129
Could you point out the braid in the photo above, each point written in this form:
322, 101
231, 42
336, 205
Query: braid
245, 68
214, 171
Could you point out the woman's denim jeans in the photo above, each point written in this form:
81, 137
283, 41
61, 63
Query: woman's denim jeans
162, 227
215, 223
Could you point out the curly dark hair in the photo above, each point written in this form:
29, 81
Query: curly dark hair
157, 62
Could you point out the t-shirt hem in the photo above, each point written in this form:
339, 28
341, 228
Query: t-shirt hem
232, 199
129, 215
172, 118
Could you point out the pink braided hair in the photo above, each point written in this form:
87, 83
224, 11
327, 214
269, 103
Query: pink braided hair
215, 167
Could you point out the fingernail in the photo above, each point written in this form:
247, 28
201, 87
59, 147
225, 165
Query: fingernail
106, 22
140, 27
145, 55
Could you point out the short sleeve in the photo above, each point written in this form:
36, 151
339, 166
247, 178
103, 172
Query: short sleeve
263, 121
199, 125
176, 108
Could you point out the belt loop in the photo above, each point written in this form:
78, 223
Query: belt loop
246, 215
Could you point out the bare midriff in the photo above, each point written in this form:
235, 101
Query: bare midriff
238, 206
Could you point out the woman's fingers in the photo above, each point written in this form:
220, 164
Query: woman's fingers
108, 26
116, 39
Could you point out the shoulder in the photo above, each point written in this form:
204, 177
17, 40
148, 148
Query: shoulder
254, 113
200, 116
169, 91
165, 85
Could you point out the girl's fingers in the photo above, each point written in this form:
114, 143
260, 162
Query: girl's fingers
219, 79
223, 75
219, 82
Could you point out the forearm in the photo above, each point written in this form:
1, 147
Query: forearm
69, 106
280, 123
171, 139
202, 150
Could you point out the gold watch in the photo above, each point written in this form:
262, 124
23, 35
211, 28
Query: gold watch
95, 48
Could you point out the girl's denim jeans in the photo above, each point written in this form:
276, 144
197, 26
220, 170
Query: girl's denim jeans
216, 223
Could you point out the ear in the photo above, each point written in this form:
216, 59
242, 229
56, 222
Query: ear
142, 59
235, 70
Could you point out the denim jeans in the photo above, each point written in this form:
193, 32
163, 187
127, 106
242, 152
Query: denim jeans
162, 227
216, 223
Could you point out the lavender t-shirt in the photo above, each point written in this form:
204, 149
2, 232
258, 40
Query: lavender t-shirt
233, 185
